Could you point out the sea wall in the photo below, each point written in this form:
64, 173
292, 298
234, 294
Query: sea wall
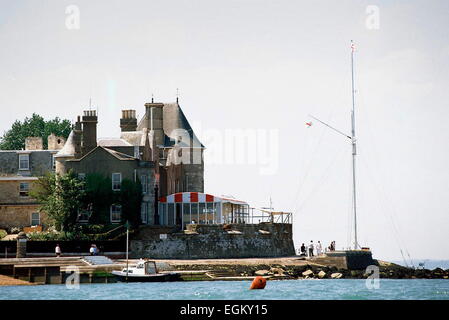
214, 242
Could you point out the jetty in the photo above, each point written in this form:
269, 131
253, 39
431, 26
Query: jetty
55, 270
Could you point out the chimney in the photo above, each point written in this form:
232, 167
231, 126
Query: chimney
155, 116
128, 122
89, 122
77, 139
55, 142
34, 143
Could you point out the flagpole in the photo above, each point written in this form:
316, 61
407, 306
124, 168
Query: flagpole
354, 149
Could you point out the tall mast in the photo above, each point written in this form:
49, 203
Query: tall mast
354, 149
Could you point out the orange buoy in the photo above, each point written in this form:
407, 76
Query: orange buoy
258, 283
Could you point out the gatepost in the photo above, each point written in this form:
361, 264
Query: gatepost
21, 245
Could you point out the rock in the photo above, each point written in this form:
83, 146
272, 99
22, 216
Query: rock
336, 275
321, 274
278, 271
307, 273
261, 272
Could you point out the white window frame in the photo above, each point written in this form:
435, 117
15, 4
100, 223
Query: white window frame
82, 212
53, 161
116, 206
144, 213
144, 181
120, 187
39, 219
27, 155
27, 190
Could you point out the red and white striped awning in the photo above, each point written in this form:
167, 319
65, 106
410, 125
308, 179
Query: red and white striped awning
192, 197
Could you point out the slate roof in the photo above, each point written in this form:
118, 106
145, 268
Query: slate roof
173, 118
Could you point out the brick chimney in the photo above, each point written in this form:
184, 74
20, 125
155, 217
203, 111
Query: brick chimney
128, 122
89, 122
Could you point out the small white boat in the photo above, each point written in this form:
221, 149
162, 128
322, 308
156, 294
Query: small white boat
145, 271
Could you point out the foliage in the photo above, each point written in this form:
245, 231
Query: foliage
36, 126
60, 197
3, 233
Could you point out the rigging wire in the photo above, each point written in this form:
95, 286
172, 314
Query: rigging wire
323, 177
374, 154
295, 199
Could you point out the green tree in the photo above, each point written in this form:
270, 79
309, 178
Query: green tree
36, 126
60, 197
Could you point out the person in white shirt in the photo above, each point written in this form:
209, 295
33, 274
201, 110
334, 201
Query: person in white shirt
92, 250
318, 248
58, 250
311, 247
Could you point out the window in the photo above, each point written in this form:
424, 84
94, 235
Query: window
84, 214
116, 181
82, 177
144, 212
136, 152
24, 189
116, 213
35, 219
24, 162
53, 162
144, 181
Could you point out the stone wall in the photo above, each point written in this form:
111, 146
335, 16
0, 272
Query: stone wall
214, 242
19, 216
10, 192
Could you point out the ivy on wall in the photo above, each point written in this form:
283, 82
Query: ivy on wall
61, 197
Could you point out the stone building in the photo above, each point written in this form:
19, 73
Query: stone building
160, 151
19, 169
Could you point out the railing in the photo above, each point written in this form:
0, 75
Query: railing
260, 216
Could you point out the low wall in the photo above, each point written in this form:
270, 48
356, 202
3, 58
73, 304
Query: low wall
214, 242
47, 248
355, 259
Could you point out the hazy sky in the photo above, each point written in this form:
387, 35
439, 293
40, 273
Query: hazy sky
263, 66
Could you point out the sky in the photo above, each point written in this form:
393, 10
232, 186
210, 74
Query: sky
249, 75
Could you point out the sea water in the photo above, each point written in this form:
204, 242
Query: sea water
326, 289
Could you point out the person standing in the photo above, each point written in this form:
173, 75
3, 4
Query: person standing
303, 250
318, 248
311, 247
92, 250
58, 250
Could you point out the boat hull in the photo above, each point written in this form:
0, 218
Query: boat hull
159, 277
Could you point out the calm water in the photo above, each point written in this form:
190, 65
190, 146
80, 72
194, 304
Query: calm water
232, 290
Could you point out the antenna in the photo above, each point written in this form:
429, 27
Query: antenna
354, 148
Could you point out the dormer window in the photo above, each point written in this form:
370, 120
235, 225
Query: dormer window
24, 162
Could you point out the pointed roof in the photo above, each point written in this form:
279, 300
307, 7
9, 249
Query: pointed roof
69, 147
173, 119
